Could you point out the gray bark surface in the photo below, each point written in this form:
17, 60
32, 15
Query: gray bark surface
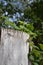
13, 48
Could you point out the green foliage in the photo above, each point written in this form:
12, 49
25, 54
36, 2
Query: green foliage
21, 26
36, 16
37, 8
27, 11
41, 46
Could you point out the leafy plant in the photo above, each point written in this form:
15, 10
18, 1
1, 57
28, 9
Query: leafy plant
34, 27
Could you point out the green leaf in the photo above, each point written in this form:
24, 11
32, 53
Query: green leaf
31, 44
21, 22
31, 58
41, 46
35, 63
29, 26
36, 52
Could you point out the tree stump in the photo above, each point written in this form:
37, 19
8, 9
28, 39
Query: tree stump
14, 48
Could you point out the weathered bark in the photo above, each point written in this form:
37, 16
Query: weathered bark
13, 48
